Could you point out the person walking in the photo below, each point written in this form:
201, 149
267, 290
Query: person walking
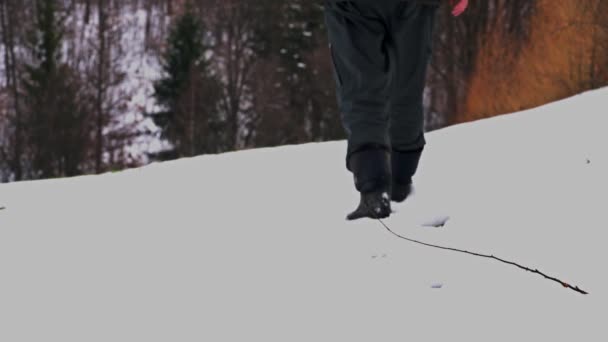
380, 50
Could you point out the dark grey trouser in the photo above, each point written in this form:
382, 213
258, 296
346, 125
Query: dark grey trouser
380, 52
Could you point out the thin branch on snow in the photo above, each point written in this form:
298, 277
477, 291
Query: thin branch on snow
563, 283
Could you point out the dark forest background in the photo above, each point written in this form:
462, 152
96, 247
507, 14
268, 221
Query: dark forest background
91, 86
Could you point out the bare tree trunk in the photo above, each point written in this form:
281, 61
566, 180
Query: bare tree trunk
8, 38
169, 7
192, 125
100, 85
87, 12
234, 24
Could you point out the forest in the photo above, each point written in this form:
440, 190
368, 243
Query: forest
95, 86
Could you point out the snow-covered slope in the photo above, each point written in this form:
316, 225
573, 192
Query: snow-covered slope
253, 245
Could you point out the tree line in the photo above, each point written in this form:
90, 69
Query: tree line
214, 76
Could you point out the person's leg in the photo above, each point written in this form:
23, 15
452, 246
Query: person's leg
357, 35
410, 48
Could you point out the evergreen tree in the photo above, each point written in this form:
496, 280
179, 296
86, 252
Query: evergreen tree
188, 92
294, 39
311, 93
55, 120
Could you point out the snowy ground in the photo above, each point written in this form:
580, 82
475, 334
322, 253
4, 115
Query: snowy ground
253, 245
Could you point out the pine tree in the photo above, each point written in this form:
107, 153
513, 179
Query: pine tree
188, 93
301, 31
55, 120
307, 97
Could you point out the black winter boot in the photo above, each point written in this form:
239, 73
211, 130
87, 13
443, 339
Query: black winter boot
403, 167
399, 192
374, 205
372, 174
371, 168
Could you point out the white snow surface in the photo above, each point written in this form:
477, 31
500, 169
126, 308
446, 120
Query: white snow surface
254, 245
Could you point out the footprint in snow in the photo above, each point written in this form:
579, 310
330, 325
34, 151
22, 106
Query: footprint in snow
436, 222
377, 256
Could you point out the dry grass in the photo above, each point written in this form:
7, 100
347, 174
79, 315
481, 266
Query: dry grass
567, 53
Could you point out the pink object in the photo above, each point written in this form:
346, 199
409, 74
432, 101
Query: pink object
459, 6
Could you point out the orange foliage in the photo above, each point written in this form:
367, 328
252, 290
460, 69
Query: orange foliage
565, 54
